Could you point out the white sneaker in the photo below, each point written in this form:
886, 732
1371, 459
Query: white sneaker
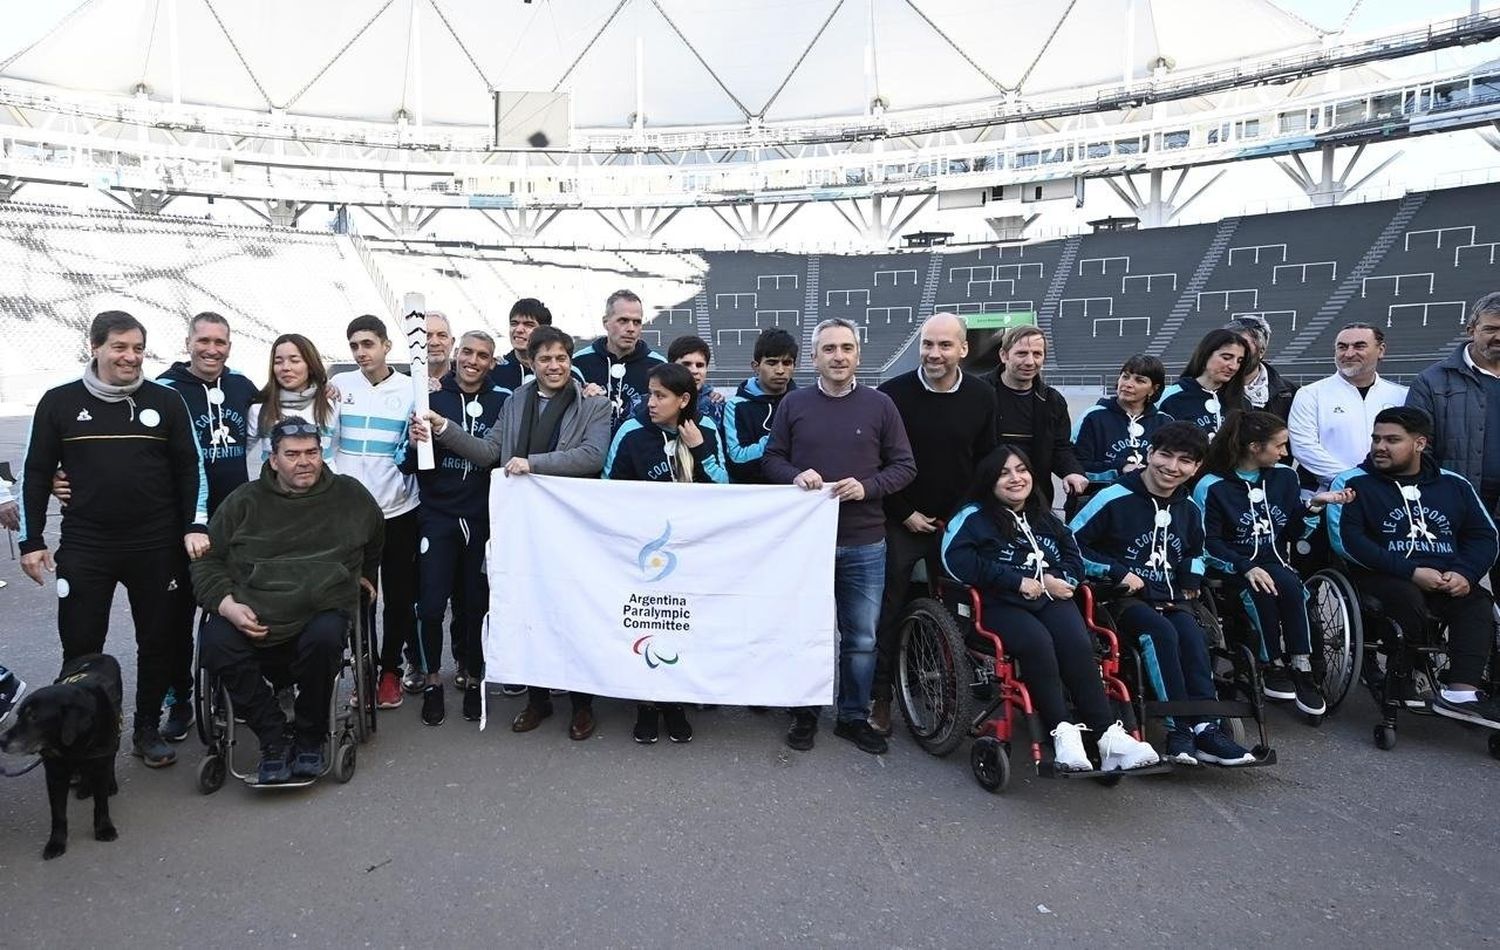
1067, 748
1120, 751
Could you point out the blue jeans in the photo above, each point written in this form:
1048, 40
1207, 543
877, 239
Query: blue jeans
858, 583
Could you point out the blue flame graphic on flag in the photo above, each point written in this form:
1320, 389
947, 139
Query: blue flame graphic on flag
654, 561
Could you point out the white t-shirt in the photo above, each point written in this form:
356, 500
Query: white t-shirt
372, 437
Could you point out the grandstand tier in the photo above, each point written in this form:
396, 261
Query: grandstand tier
1411, 266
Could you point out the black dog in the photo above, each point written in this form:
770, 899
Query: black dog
75, 725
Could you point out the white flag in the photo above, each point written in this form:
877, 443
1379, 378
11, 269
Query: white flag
675, 593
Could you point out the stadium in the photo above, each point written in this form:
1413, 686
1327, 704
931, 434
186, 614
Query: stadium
1126, 175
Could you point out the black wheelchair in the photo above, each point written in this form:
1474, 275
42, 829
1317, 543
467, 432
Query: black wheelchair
1402, 669
351, 713
1239, 700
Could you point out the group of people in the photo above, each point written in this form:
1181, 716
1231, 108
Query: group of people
1164, 484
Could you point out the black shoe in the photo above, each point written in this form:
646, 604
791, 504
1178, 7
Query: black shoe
646, 730
1309, 696
433, 710
1483, 711
274, 767
472, 702
678, 727
148, 744
858, 731
1276, 683
804, 729
179, 721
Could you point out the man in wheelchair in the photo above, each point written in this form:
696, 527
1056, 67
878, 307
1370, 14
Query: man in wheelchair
1419, 536
290, 552
1143, 534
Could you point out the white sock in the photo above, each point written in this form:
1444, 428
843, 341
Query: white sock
1461, 695
1300, 661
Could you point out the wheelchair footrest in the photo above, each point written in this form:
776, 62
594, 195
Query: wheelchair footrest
1201, 709
278, 786
1050, 770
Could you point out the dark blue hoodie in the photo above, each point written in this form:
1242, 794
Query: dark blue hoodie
1251, 518
456, 487
977, 552
220, 412
1104, 442
1126, 529
1187, 400
510, 373
639, 452
747, 429
1396, 525
595, 364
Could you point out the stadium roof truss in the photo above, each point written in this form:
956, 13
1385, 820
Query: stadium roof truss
255, 133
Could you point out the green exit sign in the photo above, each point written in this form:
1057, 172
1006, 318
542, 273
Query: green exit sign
1000, 321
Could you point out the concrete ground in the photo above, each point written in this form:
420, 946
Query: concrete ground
458, 838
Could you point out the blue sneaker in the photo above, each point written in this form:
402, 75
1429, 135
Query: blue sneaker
1214, 745
1180, 747
274, 768
309, 763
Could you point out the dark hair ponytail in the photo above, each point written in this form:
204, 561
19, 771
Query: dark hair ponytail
1238, 432
675, 379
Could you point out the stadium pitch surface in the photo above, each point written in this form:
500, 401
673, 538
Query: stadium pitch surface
448, 836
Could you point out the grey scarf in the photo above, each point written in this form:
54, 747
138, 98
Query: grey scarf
108, 392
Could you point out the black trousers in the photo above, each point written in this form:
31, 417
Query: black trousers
154, 580
1469, 619
903, 550
312, 659
539, 696
398, 587
1054, 649
451, 567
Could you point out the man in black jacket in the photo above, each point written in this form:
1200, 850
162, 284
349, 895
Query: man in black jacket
139, 497
1033, 416
950, 421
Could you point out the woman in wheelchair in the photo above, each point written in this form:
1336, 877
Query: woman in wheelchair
1024, 563
1145, 535
1252, 513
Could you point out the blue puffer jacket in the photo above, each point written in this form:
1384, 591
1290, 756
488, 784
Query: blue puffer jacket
1452, 393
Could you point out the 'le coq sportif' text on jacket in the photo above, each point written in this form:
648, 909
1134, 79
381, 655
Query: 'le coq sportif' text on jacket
1125, 529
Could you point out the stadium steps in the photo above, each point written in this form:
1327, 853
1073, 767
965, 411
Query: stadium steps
700, 313
930, 289
812, 303
1406, 209
1058, 286
1188, 299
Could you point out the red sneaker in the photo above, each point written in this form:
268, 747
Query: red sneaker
388, 693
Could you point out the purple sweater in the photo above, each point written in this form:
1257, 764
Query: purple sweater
855, 436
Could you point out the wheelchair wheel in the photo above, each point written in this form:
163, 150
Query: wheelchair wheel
211, 774
989, 758
345, 758
933, 678
364, 673
1338, 629
1385, 737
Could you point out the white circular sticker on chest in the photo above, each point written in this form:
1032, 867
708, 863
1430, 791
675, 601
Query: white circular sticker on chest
1411, 492
1163, 518
474, 410
150, 418
617, 371
216, 397
1136, 430
1212, 405
1257, 496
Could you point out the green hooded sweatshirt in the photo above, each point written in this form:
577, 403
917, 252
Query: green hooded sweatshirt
288, 556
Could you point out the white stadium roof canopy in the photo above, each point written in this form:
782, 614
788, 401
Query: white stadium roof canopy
701, 62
